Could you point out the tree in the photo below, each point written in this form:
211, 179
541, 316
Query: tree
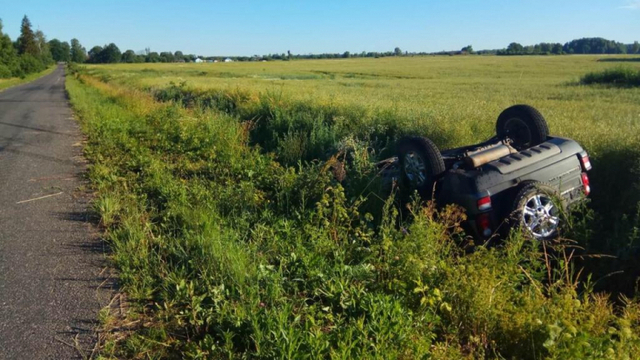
635, 48
111, 54
594, 46
152, 57
66, 48
27, 39
95, 54
8, 56
78, 53
166, 56
397, 51
60, 51
129, 56
178, 56
346, 55
467, 49
44, 53
621, 48
515, 49
30, 64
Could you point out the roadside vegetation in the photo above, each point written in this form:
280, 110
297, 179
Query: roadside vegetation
31, 55
28, 55
6, 83
217, 190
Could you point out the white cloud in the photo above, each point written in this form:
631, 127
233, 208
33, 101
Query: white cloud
631, 5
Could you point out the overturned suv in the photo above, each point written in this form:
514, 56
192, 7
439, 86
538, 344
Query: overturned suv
520, 178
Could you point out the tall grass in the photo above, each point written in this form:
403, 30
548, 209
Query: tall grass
228, 251
621, 76
294, 130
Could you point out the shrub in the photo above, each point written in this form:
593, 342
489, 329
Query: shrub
5, 72
31, 64
621, 76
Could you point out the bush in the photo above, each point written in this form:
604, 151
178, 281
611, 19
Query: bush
621, 76
30, 64
5, 72
294, 130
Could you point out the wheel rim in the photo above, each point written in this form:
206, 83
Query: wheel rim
540, 216
518, 131
414, 168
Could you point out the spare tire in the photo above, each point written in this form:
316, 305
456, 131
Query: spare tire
523, 125
420, 164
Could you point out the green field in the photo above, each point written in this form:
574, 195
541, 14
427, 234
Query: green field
458, 96
214, 186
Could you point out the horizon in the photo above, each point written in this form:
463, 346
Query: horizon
248, 28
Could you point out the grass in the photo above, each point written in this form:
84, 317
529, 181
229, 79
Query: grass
7, 83
452, 100
623, 59
234, 240
621, 77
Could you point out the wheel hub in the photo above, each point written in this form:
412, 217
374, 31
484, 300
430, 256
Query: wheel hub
540, 216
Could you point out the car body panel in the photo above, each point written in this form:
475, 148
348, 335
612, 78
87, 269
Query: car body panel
555, 162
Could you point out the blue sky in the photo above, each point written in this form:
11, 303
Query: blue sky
244, 27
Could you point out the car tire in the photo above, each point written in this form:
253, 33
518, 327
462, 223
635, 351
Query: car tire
523, 125
421, 164
537, 211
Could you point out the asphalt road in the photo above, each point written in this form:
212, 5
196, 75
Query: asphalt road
52, 282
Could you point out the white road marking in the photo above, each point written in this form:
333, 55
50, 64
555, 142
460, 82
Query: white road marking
40, 198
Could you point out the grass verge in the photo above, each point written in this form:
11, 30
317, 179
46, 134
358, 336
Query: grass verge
7, 83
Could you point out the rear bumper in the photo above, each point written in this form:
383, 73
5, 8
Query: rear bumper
570, 198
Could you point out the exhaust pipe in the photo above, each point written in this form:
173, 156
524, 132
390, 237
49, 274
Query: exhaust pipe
485, 156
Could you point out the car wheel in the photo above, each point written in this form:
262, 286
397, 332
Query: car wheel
420, 164
523, 125
537, 211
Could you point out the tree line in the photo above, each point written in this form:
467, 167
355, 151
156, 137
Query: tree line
579, 46
31, 52
28, 54
111, 53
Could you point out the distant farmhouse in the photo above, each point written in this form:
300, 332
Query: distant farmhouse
201, 60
